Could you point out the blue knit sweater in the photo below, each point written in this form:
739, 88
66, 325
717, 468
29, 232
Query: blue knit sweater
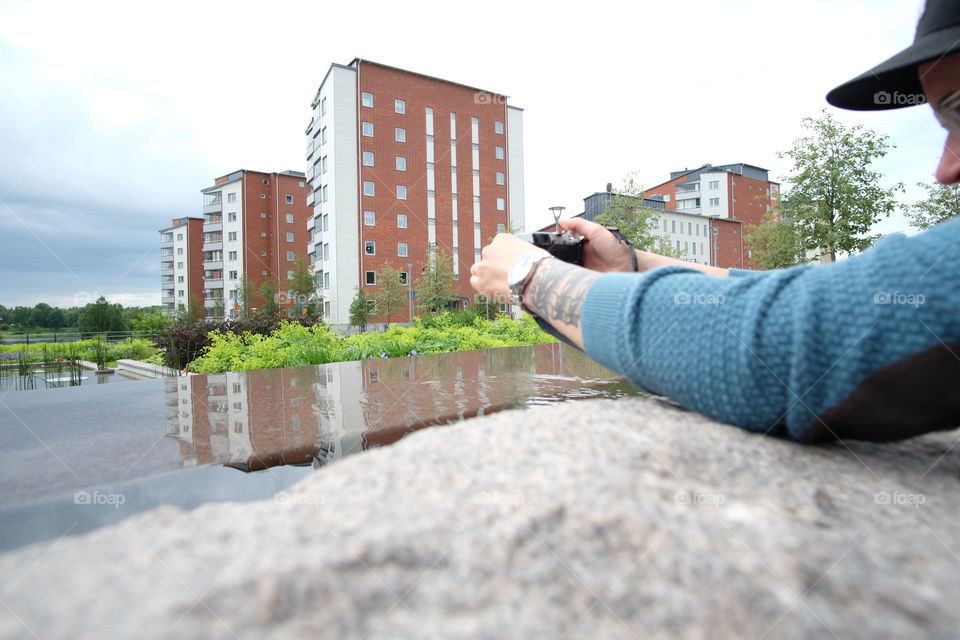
867, 347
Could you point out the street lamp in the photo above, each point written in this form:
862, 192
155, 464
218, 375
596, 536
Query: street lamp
556, 211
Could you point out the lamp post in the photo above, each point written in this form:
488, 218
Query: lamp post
410, 290
556, 211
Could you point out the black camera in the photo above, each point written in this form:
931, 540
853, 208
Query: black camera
565, 245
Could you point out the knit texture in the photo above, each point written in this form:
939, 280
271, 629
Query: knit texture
770, 351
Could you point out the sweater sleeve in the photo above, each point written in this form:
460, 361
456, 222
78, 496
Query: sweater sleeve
775, 351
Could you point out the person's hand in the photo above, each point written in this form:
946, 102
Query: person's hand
603, 251
489, 276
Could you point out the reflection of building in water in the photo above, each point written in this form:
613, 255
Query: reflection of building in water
263, 418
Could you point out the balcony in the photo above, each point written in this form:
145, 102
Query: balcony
166, 253
166, 280
212, 227
311, 147
215, 245
310, 199
310, 126
166, 240
213, 264
213, 283
311, 223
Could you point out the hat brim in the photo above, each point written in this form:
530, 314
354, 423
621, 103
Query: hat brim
894, 83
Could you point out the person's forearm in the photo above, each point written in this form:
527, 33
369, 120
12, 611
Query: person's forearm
647, 261
556, 293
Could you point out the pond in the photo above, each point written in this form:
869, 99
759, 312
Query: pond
54, 377
69, 456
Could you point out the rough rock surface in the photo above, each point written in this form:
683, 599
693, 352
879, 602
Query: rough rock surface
626, 518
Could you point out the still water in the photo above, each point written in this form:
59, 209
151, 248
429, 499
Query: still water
77, 458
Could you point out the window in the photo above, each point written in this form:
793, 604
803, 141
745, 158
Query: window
289, 217
231, 197
289, 275
323, 164
402, 249
179, 278
231, 255
324, 192
501, 204
289, 198
403, 277
694, 248
714, 202
232, 216
264, 273
401, 192
368, 188
370, 277
678, 245
179, 236
323, 107
401, 163
179, 251
498, 126
232, 275
476, 172
499, 153
501, 179
400, 134
366, 99
501, 227
232, 236
263, 234
326, 280
323, 136
401, 221
371, 305
714, 184
263, 196
326, 222
369, 218
399, 106
370, 247
289, 236
263, 254
368, 158
326, 250
263, 215
180, 293
368, 129
690, 228
673, 226
289, 256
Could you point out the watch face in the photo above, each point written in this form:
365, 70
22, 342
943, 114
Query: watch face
518, 272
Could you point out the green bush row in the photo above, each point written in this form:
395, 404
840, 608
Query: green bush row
132, 348
293, 345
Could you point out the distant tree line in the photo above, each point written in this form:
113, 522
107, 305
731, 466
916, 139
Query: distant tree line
94, 317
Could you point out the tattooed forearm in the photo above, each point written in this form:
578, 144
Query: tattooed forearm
557, 290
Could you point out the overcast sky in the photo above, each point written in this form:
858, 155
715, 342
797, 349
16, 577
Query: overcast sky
115, 114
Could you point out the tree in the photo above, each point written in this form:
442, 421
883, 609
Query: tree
774, 243
638, 223
392, 296
434, 286
150, 323
192, 314
244, 298
101, 316
303, 288
360, 309
941, 204
271, 305
834, 198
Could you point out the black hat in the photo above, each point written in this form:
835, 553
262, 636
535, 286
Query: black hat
894, 83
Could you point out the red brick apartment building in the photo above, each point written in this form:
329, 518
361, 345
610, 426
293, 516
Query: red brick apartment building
734, 197
402, 164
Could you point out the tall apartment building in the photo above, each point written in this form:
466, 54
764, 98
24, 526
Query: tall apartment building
254, 226
181, 268
402, 164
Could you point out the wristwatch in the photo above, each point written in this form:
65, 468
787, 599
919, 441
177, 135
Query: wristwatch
521, 272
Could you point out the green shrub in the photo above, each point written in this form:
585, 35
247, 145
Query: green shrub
292, 345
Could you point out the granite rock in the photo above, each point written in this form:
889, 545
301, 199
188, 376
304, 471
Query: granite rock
606, 518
